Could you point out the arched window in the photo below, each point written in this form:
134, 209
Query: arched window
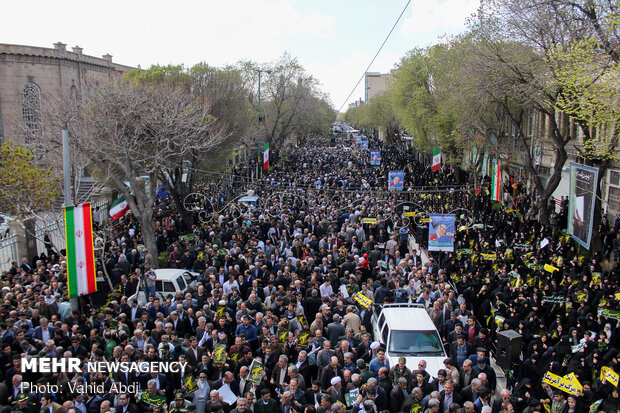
31, 109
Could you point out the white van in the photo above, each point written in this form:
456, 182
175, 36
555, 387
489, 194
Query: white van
406, 330
167, 283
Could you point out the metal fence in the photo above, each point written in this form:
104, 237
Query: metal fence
8, 251
50, 227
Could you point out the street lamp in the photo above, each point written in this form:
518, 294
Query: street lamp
258, 164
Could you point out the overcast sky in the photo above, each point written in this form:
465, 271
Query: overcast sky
333, 39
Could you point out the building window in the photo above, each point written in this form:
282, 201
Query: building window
31, 110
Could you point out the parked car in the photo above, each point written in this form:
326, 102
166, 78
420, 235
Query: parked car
169, 281
406, 330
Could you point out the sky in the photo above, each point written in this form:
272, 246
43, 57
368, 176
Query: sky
334, 40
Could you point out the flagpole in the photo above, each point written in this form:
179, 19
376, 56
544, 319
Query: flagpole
66, 170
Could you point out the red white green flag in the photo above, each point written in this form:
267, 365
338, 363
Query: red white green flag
80, 251
496, 182
266, 157
119, 208
436, 159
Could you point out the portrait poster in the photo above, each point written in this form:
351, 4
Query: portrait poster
441, 232
395, 180
375, 158
582, 192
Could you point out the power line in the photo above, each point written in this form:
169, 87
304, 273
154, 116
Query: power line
373, 59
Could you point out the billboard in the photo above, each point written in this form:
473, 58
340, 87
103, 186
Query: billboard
582, 192
395, 180
375, 158
441, 232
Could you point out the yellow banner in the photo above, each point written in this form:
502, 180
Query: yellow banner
611, 376
369, 220
489, 257
362, 300
550, 268
410, 213
566, 385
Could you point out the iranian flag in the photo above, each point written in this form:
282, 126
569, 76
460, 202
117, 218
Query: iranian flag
436, 159
80, 251
266, 157
119, 208
496, 181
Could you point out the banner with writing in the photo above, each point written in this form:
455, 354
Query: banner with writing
581, 196
566, 385
362, 300
611, 376
369, 220
609, 313
152, 399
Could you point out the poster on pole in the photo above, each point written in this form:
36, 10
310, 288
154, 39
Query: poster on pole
441, 232
375, 158
364, 145
395, 180
582, 193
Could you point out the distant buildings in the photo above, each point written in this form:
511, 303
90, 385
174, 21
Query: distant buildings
376, 83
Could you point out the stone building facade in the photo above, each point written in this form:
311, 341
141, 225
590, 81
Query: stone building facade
29, 75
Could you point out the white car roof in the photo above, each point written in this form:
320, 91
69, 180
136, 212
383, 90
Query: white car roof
167, 274
408, 318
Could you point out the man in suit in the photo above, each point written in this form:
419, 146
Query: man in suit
398, 395
125, 378
194, 352
43, 332
227, 378
48, 405
470, 393
279, 375
125, 405
313, 394
449, 396
466, 374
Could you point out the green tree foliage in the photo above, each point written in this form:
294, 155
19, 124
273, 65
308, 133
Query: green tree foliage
24, 188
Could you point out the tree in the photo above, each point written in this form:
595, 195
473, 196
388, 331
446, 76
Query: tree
25, 188
577, 43
382, 116
134, 132
289, 101
224, 92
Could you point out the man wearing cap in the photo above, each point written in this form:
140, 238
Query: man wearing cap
24, 404
364, 373
379, 360
483, 367
401, 370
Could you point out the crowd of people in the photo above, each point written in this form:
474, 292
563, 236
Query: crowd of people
274, 283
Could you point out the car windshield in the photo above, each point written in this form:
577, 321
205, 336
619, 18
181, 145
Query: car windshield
413, 343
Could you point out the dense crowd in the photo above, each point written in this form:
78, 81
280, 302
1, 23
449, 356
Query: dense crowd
274, 285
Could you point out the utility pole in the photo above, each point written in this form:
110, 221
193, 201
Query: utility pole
66, 171
258, 163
